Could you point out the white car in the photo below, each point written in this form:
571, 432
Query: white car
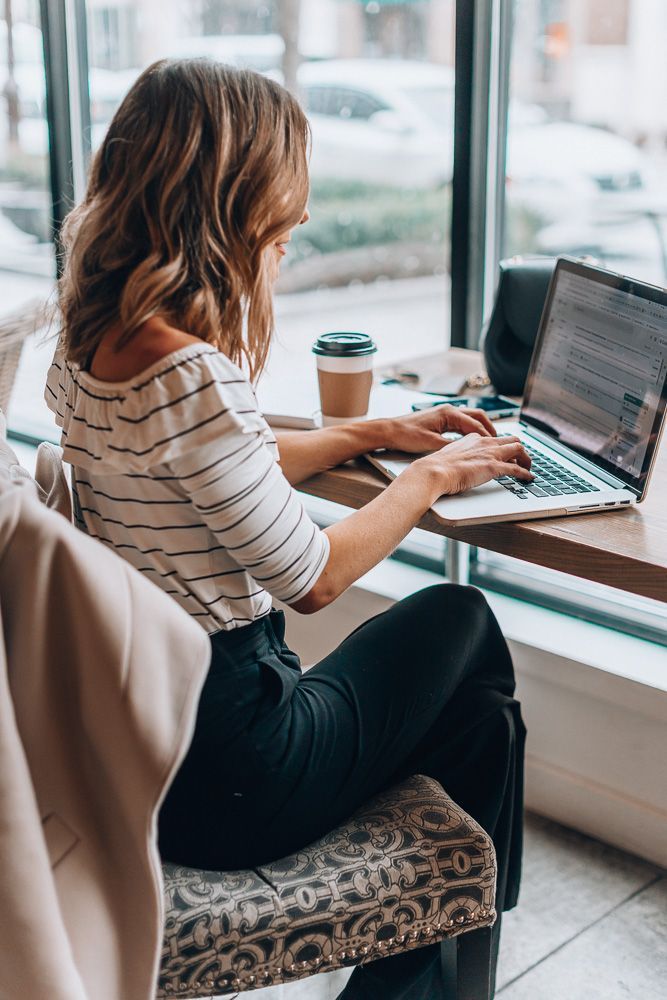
559, 169
380, 121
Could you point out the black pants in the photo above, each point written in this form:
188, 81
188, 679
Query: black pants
279, 758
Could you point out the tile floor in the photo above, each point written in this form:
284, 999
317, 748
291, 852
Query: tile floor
591, 925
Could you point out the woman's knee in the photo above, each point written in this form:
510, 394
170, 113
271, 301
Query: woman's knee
446, 603
458, 622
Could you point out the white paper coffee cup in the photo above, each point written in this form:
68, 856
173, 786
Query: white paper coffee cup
344, 374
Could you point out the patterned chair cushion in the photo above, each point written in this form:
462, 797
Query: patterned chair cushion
409, 868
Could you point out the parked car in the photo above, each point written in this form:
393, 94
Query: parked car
380, 121
560, 168
392, 122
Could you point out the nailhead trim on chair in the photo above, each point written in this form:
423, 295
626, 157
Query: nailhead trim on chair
300, 969
410, 860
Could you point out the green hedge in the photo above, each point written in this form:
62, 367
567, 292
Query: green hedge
348, 215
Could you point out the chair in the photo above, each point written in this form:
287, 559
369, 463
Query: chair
15, 328
408, 869
509, 336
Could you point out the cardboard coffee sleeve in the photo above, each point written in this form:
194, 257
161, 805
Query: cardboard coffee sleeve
344, 373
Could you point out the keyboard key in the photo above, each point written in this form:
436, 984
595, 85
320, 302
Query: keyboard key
536, 491
515, 488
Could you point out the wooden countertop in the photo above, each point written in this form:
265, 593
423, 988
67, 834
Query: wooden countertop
626, 549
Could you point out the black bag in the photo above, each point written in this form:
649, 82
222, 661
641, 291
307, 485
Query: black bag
509, 336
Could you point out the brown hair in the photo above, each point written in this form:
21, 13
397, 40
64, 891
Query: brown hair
202, 169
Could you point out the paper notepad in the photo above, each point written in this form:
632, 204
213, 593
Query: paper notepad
295, 403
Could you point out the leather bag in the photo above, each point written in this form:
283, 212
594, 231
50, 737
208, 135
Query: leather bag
509, 336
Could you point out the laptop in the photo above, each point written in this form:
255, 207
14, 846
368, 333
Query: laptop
594, 404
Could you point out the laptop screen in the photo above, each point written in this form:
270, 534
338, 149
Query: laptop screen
598, 377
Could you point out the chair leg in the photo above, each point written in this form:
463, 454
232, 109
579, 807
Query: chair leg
448, 965
473, 965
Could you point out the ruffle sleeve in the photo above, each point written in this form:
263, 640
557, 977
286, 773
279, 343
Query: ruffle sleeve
184, 402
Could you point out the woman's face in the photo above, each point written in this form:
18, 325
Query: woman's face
284, 238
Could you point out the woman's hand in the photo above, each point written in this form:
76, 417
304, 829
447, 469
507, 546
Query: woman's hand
473, 460
421, 431
362, 539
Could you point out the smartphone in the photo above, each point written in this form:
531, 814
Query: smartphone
495, 407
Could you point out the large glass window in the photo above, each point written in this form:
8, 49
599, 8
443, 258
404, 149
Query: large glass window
376, 80
586, 175
587, 145
27, 262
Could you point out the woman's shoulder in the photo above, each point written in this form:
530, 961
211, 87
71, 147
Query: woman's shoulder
114, 361
182, 400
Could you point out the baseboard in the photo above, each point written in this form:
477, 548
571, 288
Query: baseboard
596, 809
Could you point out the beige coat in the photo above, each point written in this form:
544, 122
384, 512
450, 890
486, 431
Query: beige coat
100, 674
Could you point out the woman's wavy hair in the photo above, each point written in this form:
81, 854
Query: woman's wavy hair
203, 167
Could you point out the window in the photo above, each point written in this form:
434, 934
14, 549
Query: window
378, 82
586, 139
585, 170
585, 176
380, 167
27, 263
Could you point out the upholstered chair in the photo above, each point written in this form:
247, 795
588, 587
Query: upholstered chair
410, 868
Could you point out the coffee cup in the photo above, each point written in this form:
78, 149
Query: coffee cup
345, 375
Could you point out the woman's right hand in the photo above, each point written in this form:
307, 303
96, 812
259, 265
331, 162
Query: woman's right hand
358, 542
472, 461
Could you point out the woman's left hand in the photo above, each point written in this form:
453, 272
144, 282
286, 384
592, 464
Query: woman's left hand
421, 431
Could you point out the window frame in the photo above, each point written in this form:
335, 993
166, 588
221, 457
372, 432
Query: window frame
67, 105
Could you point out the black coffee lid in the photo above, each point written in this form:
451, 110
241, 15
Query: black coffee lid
344, 345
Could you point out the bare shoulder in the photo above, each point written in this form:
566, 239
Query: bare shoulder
154, 341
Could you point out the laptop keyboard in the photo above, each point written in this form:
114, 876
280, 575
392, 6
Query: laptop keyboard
551, 479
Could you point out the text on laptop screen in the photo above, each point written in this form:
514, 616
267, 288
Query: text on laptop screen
598, 375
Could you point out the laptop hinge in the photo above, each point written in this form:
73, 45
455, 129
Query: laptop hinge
583, 463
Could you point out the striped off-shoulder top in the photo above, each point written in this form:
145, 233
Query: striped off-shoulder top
176, 469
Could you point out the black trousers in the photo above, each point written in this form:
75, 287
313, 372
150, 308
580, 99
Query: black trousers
279, 758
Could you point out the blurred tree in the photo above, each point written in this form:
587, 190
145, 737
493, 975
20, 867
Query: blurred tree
289, 13
10, 90
238, 17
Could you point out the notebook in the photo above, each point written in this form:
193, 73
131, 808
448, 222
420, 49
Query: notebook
593, 409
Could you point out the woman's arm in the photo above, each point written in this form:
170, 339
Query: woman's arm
305, 453
362, 540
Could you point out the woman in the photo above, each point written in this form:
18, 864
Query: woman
166, 307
